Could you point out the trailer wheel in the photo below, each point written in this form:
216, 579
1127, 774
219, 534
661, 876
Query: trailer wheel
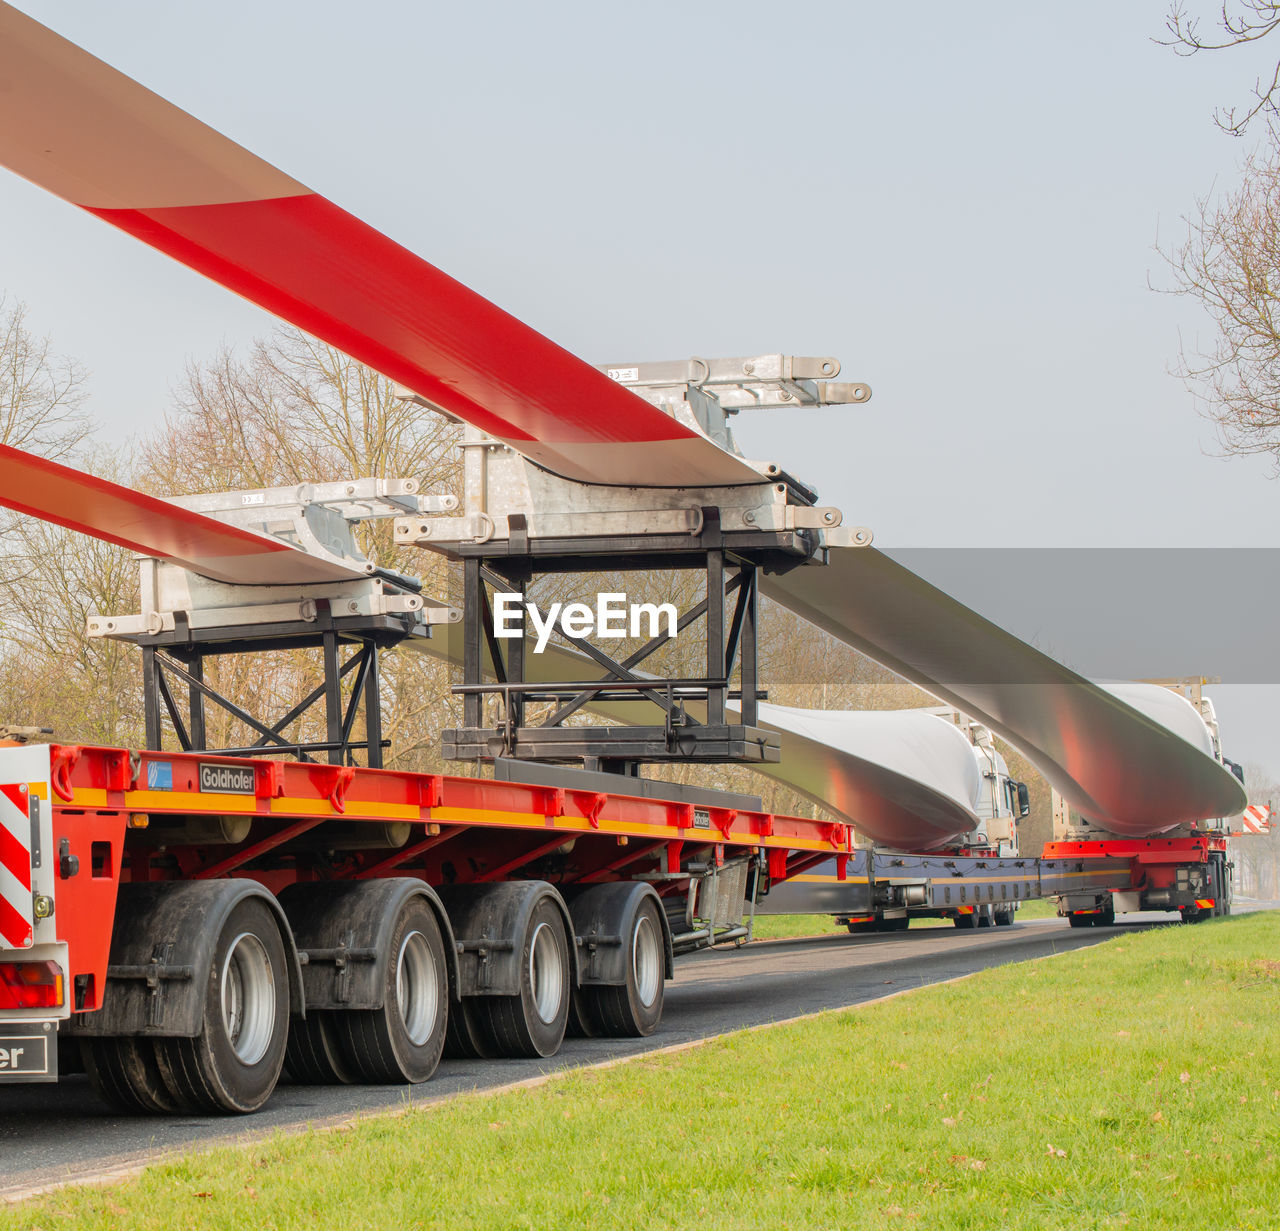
632, 1009
1004, 916
1078, 919
465, 1037
965, 922
124, 1073
233, 1064
402, 1041
533, 1022
314, 1056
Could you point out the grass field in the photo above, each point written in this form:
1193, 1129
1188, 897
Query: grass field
1134, 1084
783, 927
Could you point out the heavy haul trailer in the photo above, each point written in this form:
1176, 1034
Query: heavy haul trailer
1190, 874
884, 890
1092, 882
1092, 874
187, 924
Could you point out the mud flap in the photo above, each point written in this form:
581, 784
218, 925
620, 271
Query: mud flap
28, 1052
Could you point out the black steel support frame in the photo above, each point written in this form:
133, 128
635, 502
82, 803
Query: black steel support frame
731, 637
186, 665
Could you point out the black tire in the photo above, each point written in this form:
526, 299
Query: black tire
124, 1073
532, 1023
965, 922
632, 1009
233, 1064
403, 1040
861, 928
314, 1056
1107, 917
1004, 916
465, 1035
581, 1023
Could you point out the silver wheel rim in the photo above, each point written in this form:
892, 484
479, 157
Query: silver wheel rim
248, 998
646, 964
546, 973
417, 993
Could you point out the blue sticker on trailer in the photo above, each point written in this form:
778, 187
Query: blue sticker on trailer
159, 776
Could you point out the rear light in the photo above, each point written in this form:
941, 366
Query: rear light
30, 985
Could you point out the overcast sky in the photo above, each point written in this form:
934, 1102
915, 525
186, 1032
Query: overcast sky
961, 203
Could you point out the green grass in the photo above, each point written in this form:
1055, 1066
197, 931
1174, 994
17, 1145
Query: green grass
784, 927
1039, 909
1134, 1084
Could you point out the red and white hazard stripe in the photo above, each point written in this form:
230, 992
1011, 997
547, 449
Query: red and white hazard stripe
1256, 819
15, 867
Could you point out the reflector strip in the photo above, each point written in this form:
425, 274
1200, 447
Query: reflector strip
15, 931
16, 859
15, 867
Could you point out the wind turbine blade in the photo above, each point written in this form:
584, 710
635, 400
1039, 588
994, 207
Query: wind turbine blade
1128, 770
98, 139
153, 527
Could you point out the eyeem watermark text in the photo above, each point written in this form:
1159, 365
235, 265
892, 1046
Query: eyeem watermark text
613, 617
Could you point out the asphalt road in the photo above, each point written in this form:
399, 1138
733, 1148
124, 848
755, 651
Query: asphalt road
49, 1134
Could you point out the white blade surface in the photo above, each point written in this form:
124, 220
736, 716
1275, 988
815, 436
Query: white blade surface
1133, 772
902, 779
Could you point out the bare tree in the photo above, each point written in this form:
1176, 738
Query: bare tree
1247, 22
1257, 856
51, 674
1229, 262
41, 392
297, 411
